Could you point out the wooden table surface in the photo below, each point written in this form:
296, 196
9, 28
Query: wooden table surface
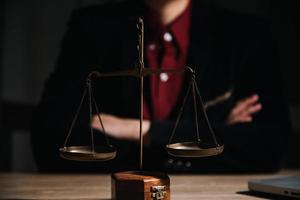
95, 186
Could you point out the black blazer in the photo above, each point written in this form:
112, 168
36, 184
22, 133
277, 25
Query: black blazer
229, 52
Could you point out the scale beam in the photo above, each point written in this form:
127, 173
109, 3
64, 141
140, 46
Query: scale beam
134, 72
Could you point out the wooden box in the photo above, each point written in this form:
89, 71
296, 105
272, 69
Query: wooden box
135, 185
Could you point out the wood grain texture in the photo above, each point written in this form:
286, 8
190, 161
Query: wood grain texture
95, 186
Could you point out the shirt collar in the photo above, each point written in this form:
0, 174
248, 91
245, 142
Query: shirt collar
179, 28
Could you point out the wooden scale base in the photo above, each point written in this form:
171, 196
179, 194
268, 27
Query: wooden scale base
140, 185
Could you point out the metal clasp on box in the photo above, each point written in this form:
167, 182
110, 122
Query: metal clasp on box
158, 192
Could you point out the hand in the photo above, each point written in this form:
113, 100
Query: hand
120, 128
243, 110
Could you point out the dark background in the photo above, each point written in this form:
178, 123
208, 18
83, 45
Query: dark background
30, 35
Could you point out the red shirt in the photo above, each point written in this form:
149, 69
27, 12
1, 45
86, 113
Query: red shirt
166, 47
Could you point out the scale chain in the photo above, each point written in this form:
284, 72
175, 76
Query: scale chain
195, 90
75, 117
100, 119
205, 116
195, 109
180, 112
91, 113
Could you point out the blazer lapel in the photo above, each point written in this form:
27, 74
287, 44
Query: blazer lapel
201, 38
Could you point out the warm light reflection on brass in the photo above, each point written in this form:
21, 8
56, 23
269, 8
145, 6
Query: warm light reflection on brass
86, 153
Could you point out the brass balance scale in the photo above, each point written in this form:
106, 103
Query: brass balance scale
109, 152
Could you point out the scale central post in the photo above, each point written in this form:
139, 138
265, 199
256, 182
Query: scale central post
140, 48
154, 185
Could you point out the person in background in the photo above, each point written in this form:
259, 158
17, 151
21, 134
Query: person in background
234, 55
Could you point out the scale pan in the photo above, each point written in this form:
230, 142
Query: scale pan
193, 149
85, 153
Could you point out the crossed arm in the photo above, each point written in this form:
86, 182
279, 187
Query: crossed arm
128, 129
